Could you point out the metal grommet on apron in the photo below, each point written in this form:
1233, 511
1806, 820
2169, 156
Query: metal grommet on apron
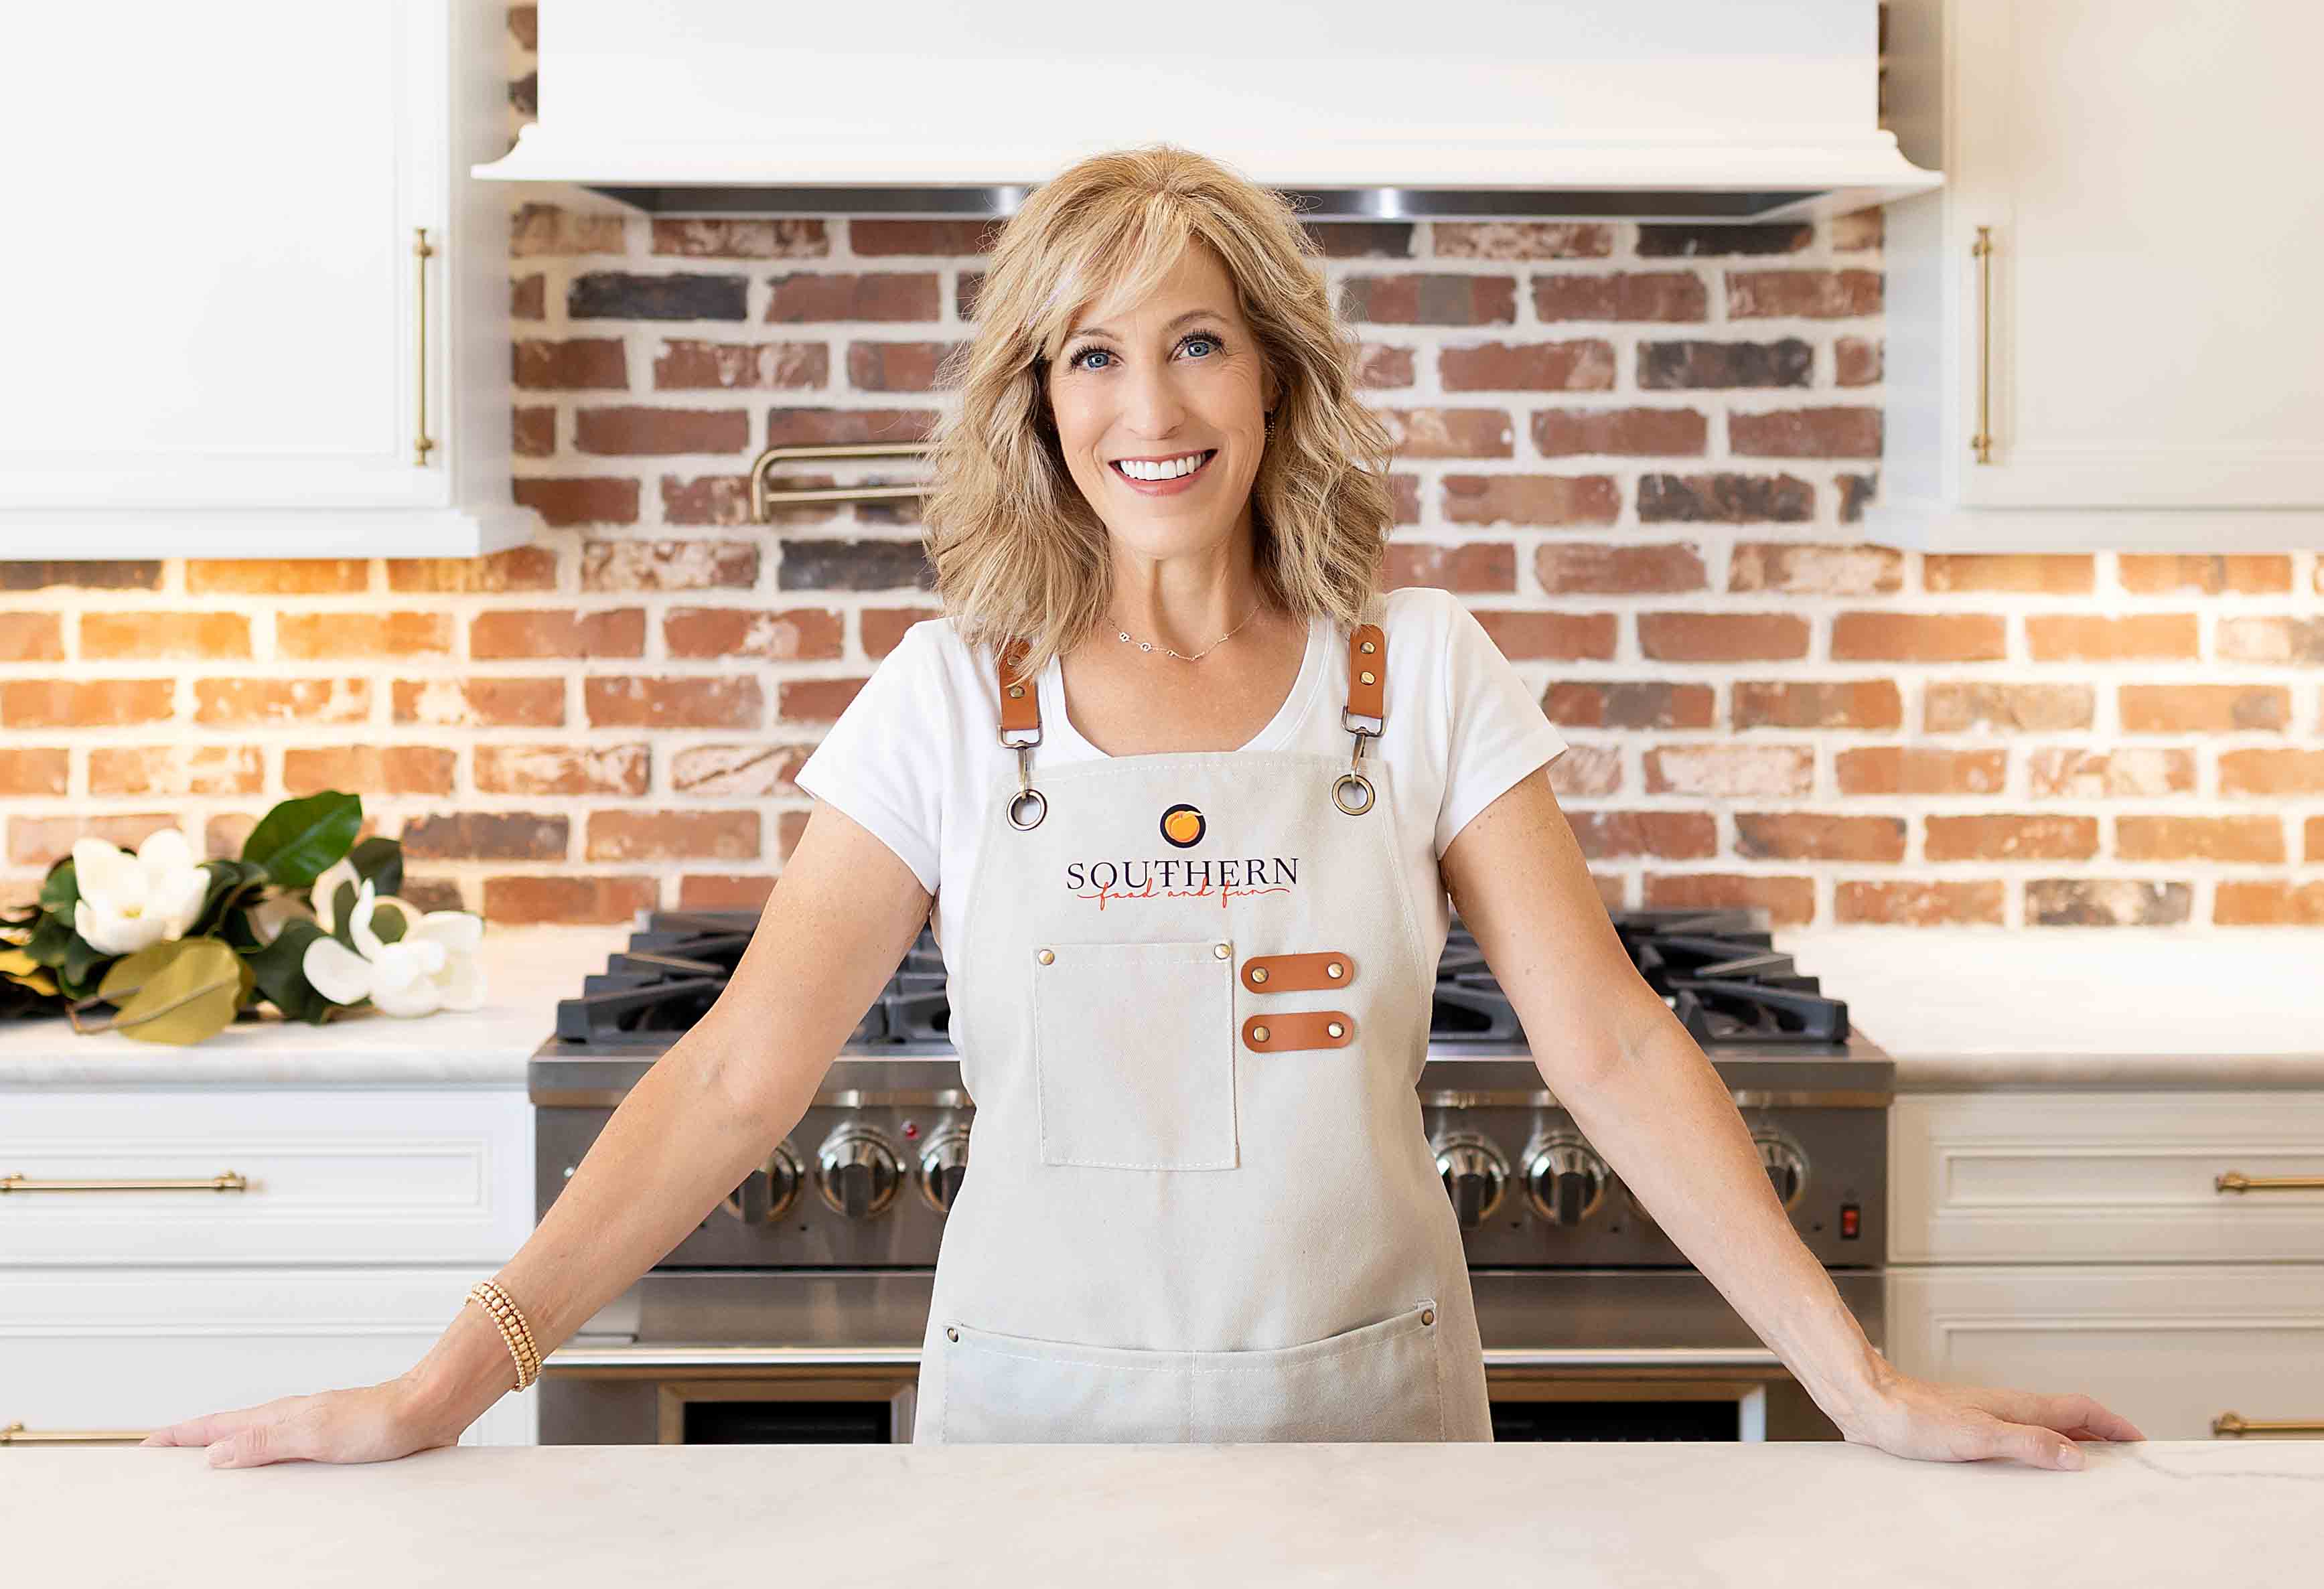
1153, 1244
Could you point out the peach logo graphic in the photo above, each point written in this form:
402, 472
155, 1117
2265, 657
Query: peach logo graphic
1182, 826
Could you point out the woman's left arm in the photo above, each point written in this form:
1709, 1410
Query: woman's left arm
1648, 1099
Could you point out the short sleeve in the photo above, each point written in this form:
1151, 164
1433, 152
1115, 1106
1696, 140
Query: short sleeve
880, 762
1499, 734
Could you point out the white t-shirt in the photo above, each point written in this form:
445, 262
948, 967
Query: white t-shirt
914, 756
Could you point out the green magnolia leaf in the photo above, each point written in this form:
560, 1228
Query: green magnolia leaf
343, 906
299, 839
281, 978
49, 941
381, 860
388, 923
81, 961
178, 991
60, 889
233, 886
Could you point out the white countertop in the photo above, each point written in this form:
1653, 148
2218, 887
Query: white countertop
527, 969
1571, 1515
1956, 1008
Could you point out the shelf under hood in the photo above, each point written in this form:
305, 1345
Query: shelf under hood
1739, 110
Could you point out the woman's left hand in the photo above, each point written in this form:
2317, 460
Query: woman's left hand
1930, 1421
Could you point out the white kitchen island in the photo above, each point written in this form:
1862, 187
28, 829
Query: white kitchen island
1561, 1516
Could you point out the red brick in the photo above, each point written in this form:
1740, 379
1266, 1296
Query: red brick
796, 634
1429, 298
2198, 838
41, 770
1568, 567
1587, 772
2217, 574
1722, 637
530, 567
1585, 365
487, 835
239, 702
754, 771
1809, 568
631, 431
277, 576
374, 769
85, 703
313, 636
2271, 772
1380, 368
742, 238
1789, 902
518, 902
564, 503
1553, 636
1917, 769
815, 699
669, 566
1818, 295
32, 636
1977, 903
1645, 703
174, 769
1447, 433
480, 703
547, 229
2316, 838
2090, 638
2010, 837
1665, 835
1862, 703
2040, 572
1532, 499
878, 236
689, 364
1668, 433
38, 840
2106, 902
1472, 566
879, 295
1626, 294
2204, 709
1918, 637
617, 700
581, 363
508, 632
818, 427
1522, 239
1724, 769
1958, 707
2111, 774
1805, 433
881, 628
898, 366
562, 769
2269, 904
671, 835
2295, 641
1803, 835
1857, 360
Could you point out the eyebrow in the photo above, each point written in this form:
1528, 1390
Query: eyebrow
1108, 331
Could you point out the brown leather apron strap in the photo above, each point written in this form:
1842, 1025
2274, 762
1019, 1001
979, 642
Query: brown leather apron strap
1367, 670
1020, 700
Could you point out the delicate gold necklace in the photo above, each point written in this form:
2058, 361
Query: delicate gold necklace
1205, 651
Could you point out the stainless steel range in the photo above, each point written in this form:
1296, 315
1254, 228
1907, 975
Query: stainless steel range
795, 1312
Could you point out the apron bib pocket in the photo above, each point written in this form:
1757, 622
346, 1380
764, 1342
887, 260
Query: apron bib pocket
1378, 1382
1134, 1054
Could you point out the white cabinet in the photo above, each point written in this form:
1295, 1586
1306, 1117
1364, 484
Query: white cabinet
2083, 1241
224, 338
355, 1222
2113, 285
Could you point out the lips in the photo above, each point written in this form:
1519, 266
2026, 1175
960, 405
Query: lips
1208, 456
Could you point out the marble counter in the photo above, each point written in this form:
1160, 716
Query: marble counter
527, 969
1575, 1515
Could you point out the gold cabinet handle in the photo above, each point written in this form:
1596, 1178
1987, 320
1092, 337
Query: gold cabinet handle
420, 255
760, 496
16, 1434
1982, 251
2235, 1180
231, 1180
2236, 1425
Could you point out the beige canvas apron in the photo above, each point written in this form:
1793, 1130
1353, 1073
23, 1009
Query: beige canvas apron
1191, 1008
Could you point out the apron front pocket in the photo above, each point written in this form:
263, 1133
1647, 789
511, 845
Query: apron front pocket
1378, 1382
1134, 1054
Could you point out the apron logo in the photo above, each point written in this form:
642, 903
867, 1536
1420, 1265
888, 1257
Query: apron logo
1182, 826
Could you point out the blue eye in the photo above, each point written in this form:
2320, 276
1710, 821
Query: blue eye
1074, 361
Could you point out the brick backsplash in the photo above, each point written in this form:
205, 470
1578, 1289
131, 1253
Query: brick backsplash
1638, 452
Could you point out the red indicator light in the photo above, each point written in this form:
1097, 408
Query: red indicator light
1850, 1218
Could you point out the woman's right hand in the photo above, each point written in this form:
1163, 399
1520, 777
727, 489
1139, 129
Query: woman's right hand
376, 1423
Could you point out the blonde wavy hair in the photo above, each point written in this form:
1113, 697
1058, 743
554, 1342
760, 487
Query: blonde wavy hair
1018, 552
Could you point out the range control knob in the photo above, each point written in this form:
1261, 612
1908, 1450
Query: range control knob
768, 1193
1564, 1179
857, 1172
1787, 1166
943, 1164
1475, 1176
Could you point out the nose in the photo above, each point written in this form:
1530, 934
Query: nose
1152, 405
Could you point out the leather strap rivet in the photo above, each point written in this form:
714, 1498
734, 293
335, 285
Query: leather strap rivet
1258, 973
1047, 955
1258, 1034
1015, 691
1335, 969
952, 1332
1369, 677
1221, 950
1428, 1315
1369, 648
1337, 1029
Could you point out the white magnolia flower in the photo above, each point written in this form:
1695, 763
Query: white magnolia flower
433, 966
131, 902
268, 917
325, 889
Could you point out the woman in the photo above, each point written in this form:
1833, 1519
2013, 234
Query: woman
1190, 899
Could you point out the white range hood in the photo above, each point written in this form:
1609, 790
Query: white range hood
1719, 110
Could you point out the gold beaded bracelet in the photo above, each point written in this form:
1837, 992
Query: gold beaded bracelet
513, 1329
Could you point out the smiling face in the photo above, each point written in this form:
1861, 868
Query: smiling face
1161, 413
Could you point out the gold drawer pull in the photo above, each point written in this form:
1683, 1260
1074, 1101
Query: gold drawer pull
2235, 1180
2236, 1424
16, 1434
231, 1180
1981, 443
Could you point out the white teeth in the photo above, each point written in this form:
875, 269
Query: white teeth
1168, 469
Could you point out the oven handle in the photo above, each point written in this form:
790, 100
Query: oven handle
571, 1362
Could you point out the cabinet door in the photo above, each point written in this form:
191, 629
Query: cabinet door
2171, 1347
136, 1349
2145, 169
214, 293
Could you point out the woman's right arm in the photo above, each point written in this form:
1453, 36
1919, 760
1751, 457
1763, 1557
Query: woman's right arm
841, 915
